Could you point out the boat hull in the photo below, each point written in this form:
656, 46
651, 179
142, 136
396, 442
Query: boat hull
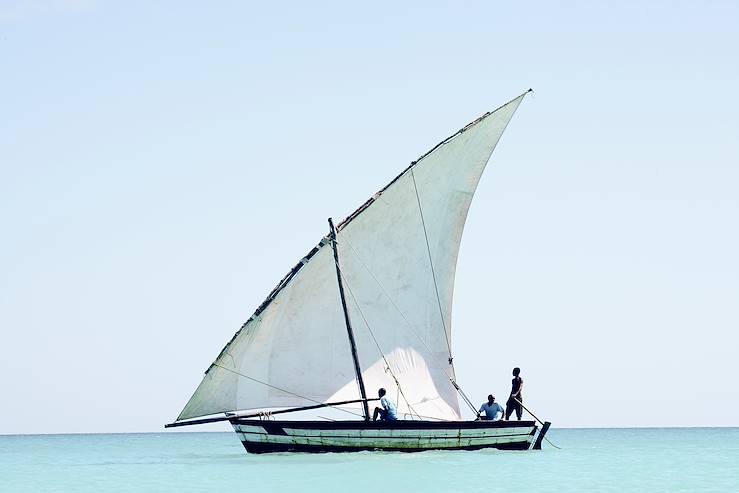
264, 436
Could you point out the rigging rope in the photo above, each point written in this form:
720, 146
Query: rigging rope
540, 421
410, 326
464, 396
281, 390
387, 365
438, 300
431, 263
390, 299
550, 443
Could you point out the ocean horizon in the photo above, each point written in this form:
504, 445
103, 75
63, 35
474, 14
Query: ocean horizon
589, 459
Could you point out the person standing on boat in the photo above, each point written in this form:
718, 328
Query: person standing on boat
387, 412
516, 399
491, 409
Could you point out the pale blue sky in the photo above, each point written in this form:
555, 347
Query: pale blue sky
163, 164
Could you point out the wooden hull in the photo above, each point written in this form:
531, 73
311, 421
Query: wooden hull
261, 436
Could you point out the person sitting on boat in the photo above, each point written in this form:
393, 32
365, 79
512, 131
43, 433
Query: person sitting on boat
493, 411
387, 412
515, 401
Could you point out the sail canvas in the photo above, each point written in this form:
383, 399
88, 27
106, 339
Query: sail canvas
398, 255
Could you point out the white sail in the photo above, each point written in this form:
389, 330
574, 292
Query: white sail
294, 352
398, 255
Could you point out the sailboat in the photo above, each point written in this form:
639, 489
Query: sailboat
368, 307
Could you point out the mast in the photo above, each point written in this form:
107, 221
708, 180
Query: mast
350, 332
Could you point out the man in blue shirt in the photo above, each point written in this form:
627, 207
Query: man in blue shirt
387, 412
491, 410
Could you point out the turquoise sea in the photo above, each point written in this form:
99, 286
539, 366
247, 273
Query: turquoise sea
633, 460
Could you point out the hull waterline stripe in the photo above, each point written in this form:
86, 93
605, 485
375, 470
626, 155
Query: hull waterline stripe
386, 437
261, 448
396, 425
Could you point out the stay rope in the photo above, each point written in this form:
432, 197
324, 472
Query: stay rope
452, 381
390, 299
280, 389
536, 418
384, 359
431, 264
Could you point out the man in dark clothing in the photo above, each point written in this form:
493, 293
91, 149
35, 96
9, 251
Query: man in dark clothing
516, 398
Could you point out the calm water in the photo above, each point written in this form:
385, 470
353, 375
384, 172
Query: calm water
643, 460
